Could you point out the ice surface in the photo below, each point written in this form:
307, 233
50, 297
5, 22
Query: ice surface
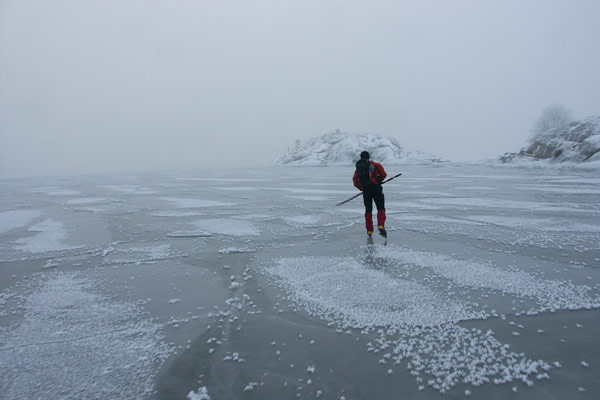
228, 226
86, 200
434, 219
194, 203
127, 189
169, 214
303, 220
567, 190
489, 280
542, 224
64, 192
310, 198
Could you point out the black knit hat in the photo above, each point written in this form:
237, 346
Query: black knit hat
364, 155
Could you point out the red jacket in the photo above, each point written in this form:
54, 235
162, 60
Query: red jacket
378, 175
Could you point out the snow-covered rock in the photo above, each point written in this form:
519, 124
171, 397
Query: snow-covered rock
576, 142
340, 148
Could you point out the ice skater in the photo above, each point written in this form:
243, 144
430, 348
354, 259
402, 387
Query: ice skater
367, 178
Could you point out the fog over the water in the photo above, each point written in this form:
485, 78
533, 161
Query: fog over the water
109, 85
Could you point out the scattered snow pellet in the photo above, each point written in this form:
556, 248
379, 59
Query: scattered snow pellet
250, 386
201, 395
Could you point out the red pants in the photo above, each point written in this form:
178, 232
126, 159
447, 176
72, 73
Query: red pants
374, 192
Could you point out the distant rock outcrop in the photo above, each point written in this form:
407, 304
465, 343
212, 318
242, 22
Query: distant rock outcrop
340, 148
576, 142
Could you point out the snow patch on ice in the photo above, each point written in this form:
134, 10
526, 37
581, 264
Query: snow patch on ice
15, 219
58, 351
414, 322
362, 297
235, 250
51, 236
140, 255
202, 394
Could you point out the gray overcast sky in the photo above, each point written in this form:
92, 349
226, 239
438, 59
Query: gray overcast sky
93, 86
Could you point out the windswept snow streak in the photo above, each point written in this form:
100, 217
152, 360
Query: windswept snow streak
302, 221
194, 203
58, 351
548, 294
63, 192
419, 323
140, 255
86, 200
230, 227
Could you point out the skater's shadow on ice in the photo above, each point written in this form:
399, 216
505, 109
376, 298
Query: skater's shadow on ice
370, 255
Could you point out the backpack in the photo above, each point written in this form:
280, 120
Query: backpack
364, 171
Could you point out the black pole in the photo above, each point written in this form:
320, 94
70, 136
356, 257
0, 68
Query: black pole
356, 195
